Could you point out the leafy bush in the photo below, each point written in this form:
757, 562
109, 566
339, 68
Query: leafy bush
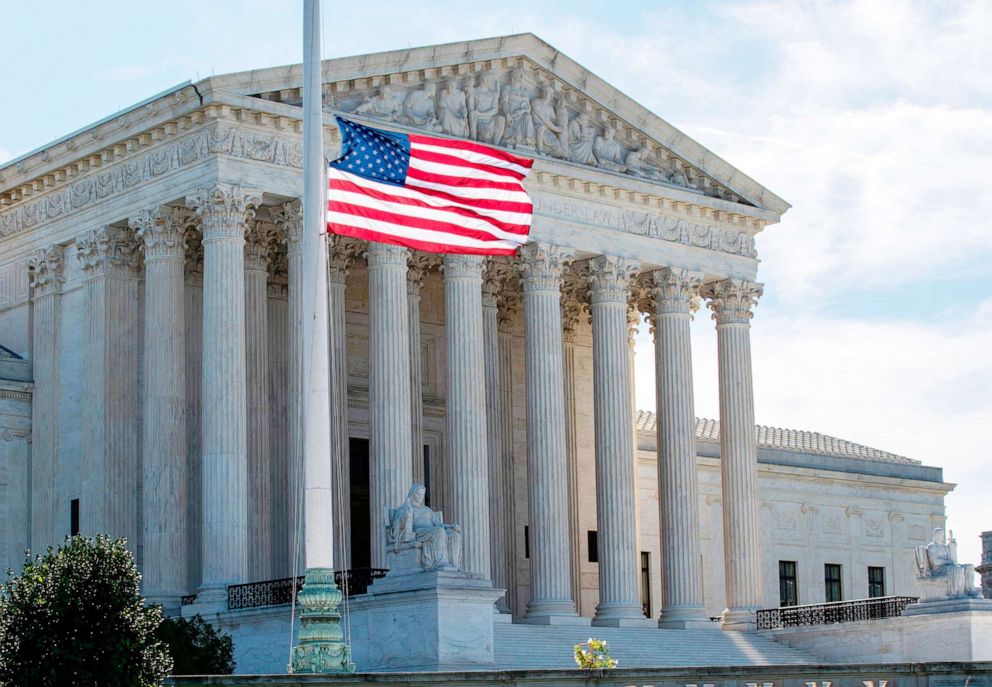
594, 654
196, 647
74, 618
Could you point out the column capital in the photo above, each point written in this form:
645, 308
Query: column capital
341, 254
732, 300
108, 251
224, 210
45, 270
609, 278
541, 265
161, 230
457, 266
674, 290
419, 266
259, 243
377, 254
289, 218
496, 275
574, 299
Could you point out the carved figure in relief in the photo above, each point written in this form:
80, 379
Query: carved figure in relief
453, 110
546, 128
939, 572
417, 538
419, 110
637, 165
679, 177
485, 122
386, 104
609, 154
515, 104
582, 138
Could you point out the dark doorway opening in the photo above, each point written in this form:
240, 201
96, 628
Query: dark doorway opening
361, 541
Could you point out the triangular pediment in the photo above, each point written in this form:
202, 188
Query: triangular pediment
517, 92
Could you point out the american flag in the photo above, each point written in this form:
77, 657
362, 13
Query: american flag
432, 194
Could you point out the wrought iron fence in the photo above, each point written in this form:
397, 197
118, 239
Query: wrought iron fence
834, 612
280, 592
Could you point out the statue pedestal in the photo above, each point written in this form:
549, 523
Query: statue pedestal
968, 603
428, 621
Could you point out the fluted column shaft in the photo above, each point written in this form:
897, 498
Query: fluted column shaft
340, 255
164, 478
289, 217
420, 264
500, 515
466, 407
110, 261
391, 471
46, 272
505, 507
551, 590
731, 301
616, 506
260, 525
224, 211
682, 592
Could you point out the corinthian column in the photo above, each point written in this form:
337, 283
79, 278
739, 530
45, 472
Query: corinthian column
224, 211
164, 478
389, 388
551, 589
110, 261
501, 514
731, 301
259, 241
420, 265
616, 506
341, 253
466, 407
46, 272
682, 592
289, 218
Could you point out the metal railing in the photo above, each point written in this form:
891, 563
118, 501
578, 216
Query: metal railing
280, 592
834, 612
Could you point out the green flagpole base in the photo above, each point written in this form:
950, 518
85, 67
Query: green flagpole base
321, 647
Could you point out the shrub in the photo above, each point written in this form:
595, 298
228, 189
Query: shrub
74, 618
196, 647
594, 654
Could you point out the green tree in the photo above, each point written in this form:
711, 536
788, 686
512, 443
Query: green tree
74, 618
593, 655
196, 647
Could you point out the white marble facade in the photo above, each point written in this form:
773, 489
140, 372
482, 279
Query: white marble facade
149, 272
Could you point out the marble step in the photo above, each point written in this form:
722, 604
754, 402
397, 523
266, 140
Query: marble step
526, 646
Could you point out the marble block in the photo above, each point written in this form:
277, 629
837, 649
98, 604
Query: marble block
948, 606
429, 621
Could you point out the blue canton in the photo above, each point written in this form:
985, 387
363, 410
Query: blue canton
373, 153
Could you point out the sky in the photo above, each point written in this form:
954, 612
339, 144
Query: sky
873, 118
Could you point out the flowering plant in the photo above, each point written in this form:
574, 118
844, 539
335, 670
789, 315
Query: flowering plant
594, 654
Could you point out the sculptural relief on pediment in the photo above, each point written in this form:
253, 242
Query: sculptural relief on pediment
519, 107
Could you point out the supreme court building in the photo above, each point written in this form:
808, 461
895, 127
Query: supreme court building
150, 305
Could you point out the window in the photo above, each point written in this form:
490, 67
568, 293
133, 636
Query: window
787, 589
74, 517
831, 582
646, 583
876, 581
592, 539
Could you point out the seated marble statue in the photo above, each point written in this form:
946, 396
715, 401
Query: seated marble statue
940, 575
417, 539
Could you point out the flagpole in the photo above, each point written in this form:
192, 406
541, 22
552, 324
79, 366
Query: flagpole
320, 647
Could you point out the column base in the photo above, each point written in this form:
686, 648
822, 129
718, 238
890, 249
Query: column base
170, 603
685, 618
621, 615
502, 618
552, 613
739, 620
211, 598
